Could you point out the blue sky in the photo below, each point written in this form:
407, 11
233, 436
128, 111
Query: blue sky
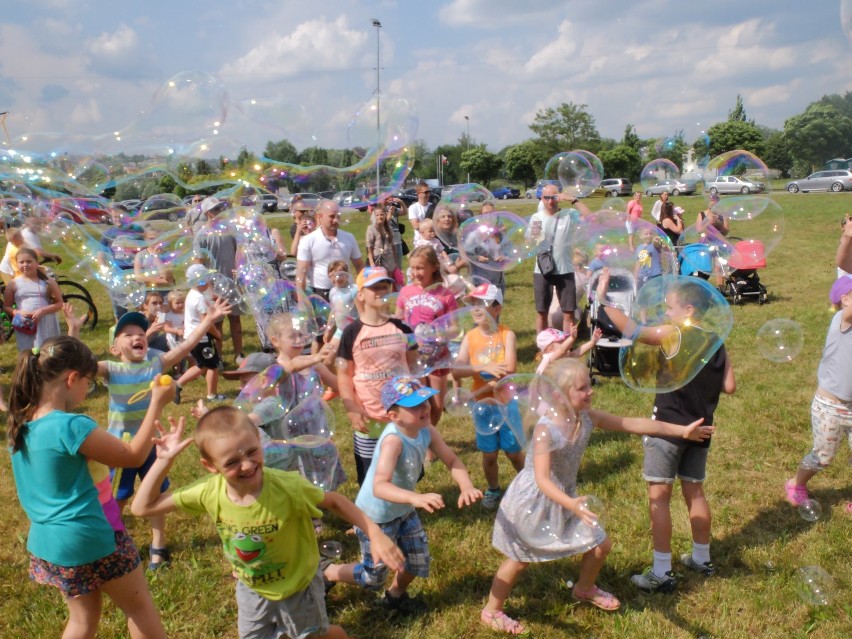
90, 67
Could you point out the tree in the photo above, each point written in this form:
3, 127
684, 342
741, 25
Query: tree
819, 134
452, 167
481, 164
524, 162
622, 161
738, 113
566, 128
778, 154
735, 134
281, 151
631, 139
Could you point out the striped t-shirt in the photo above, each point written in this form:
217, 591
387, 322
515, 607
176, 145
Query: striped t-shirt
124, 380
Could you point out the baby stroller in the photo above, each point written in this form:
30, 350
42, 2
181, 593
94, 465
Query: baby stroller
603, 358
742, 281
696, 260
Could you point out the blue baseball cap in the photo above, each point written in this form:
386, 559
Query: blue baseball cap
406, 392
132, 318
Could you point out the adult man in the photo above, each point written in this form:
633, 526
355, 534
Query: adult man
318, 248
551, 228
417, 211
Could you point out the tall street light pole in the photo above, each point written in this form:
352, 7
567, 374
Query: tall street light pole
467, 117
378, 26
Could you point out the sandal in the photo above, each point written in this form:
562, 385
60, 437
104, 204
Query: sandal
162, 553
501, 622
849, 507
597, 597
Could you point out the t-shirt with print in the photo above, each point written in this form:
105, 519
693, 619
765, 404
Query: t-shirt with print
270, 543
194, 311
420, 305
125, 379
378, 354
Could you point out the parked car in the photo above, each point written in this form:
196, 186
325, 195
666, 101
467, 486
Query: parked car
535, 191
617, 186
80, 209
726, 184
270, 202
672, 187
840, 180
464, 193
311, 199
341, 196
506, 193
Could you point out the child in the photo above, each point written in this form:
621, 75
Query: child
667, 459
204, 351
648, 260
487, 354
422, 301
32, 300
174, 318
387, 495
553, 344
280, 586
599, 260
132, 373
429, 237
74, 546
343, 307
372, 350
540, 517
14, 241
152, 308
831, 410
148, 266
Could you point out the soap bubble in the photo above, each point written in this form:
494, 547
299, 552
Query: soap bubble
656, 173
757, 223
595, 506
496, 241
665, 145
280, 455
704, 249
434, 339
331, 549
164, 206
577, 175
529, 399
604, 235
593, 160
744, 166
464, 195
689, 320
846, 18
810, 510
458, 402
815, 586
488, 416
780, 340
546, 525
388, 307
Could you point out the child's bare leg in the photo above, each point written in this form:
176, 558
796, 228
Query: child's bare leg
699, 510
504, 581
400, 584
158, 535
517, 460
131, 594
192, 373
439, 383
803, 476
84, 615
659, 504
212, 376
491, 469
591, 565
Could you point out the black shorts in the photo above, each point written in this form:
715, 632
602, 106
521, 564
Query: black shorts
209, 350
566, 291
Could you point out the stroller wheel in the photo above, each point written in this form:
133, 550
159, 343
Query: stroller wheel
738, 299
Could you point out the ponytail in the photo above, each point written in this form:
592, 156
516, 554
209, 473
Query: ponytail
37, 367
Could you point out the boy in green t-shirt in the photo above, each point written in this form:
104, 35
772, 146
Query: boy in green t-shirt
264, 519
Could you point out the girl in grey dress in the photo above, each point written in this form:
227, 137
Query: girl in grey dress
541, 518
35, 295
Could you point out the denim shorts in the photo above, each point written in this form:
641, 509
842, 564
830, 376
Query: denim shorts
504, 439
665, 460
408, 533
124, 479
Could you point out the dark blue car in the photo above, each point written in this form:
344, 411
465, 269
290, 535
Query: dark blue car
506, 193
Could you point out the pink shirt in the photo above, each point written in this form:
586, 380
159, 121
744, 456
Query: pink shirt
419, 305
634, 209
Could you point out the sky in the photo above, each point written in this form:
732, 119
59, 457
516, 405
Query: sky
82, 69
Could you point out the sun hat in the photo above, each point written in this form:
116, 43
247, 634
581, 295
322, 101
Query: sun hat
549, 336
842, 286
198, 275
405, 391
211, 204
372, 275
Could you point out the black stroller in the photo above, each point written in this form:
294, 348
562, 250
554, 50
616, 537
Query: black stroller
603, 358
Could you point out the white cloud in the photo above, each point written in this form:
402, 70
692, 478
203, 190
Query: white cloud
117, 44
86, 113
494, 13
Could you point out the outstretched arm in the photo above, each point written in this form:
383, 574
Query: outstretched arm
149, 501
844, 249
469, 493
641, 426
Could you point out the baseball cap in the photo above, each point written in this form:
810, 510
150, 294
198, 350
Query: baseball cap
842, 286
372, 275
549, 336
487, 293
132, 318
210, 204
405, 391
198, 274
251, 365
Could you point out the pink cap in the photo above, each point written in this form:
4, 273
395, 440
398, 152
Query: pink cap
549, 336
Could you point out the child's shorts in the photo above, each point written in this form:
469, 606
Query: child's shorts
124, 479
208, 349
75, 581
299, 616
408, 533
665, 460
504, 439
831, 423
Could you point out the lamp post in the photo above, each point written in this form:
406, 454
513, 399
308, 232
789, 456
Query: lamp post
467, 117
378, 26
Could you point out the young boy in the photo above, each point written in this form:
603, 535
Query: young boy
387, 495
132, 373
488, 354
648, 260
263, 517
373, 349
666, 459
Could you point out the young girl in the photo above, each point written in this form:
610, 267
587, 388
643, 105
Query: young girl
831, 410
541, 518
423, 301
553, 344
380, 244
174, 318
74, 546
35, 297
344, 309
152, 308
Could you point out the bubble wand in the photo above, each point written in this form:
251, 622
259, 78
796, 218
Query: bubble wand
165, 380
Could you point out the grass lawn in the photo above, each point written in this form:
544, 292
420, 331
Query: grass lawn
759, 541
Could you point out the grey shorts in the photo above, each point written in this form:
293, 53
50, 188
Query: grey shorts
566, 292
299, 616
665, 460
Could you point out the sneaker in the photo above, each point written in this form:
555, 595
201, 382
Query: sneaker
707, 568
216, 398
178, 389
404, 604
796, 495
492, 498
652, 583
323, 564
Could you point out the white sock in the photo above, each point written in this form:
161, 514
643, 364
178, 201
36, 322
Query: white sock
662, 563
700, 553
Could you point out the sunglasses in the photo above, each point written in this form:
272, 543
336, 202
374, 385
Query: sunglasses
550, 197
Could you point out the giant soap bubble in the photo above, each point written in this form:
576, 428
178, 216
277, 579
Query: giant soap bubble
660, 174
780, 340
577, 175
496, 241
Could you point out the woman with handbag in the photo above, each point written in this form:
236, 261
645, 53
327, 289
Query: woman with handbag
32, 300
380, 246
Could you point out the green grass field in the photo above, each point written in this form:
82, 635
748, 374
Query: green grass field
759, 541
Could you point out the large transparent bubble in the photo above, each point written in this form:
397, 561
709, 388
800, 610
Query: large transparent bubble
815, 586
780, 340
531, 400
846, 18
746, 174
756, 227
659, 175
496, 241
434, 340
319, 464
577, 175
684, 321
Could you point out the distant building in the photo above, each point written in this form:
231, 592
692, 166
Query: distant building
838, 163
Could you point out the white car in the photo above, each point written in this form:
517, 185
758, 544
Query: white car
726, 184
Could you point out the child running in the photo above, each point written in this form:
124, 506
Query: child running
263, 517
75, 547
541, 518
32, 300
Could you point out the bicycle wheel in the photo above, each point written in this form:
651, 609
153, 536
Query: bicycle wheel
91, 309
78, 289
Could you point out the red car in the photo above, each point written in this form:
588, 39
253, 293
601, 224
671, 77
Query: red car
80, 209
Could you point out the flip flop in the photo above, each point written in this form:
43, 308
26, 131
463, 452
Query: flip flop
597, 597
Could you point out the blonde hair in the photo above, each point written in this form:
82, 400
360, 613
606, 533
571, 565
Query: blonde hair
222, 421
563, 372
335, 265
428, 253
426, 224
176, 295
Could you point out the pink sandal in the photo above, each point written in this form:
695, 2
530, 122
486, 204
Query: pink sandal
849, 507
501, 622
597, 597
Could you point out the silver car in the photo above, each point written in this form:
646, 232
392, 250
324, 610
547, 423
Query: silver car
672, 187
726, 184
836, 181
